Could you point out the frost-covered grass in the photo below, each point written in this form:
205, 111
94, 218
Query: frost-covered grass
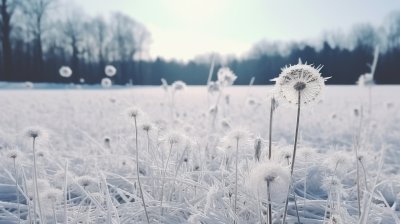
187, 161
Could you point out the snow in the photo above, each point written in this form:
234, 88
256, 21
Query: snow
79, 120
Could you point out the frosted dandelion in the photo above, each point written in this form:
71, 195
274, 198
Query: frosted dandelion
213, 87
299, 84
65, 71
134, 113
226, 77
14, 154
270, 180
85, 181
178, 85
34, 133
172, 138
237, 135
110, 71
106, 83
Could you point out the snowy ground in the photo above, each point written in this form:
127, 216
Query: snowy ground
90, 130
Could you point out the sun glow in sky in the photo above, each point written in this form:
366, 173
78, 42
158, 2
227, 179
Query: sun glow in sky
182, 29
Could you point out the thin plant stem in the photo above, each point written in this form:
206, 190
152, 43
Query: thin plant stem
296, 134
37, 199
236, 173
66, 193
163, 179
269, 204
294, 153
270, 128
137, 172
17, 191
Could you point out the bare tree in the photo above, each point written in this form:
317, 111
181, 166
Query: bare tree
36, 11
7, 8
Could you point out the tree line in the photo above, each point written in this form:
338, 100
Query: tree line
36, 43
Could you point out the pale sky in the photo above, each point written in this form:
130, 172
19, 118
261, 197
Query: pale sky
182, 29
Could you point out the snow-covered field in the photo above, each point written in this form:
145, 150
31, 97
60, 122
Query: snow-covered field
187, 160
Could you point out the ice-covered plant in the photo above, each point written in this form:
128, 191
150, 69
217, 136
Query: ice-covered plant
237, 135
14, 154
134, 113
367, 79
270, 180
299, 84
172, 138
34, 133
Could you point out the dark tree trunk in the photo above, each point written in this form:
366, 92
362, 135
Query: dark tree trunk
6, 43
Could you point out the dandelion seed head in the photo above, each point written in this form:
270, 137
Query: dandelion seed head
272, 174
134, 112
28, 85
174, 137
178, 85
106, 83
226, 77
65, 71
110, 71
338, 161
53, 194
85, 181
331, 183
147, 127
239, 134
13, 153
213, 87
366, 79
35, 132
300, 79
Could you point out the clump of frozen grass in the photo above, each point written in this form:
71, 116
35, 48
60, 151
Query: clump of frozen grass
106, 83
65, 71
110, 70
270, 180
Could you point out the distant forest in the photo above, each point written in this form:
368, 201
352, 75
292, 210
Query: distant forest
37, 41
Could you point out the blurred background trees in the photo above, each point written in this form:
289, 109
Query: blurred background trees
36, 40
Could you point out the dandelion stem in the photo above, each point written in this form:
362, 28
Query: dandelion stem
293, 156
163, 179
17, 191
270, 128
137, 171
269, 204
65, 193
236, 173
37, 199
296, 134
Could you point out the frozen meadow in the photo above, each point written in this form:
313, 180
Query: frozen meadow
87, 169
